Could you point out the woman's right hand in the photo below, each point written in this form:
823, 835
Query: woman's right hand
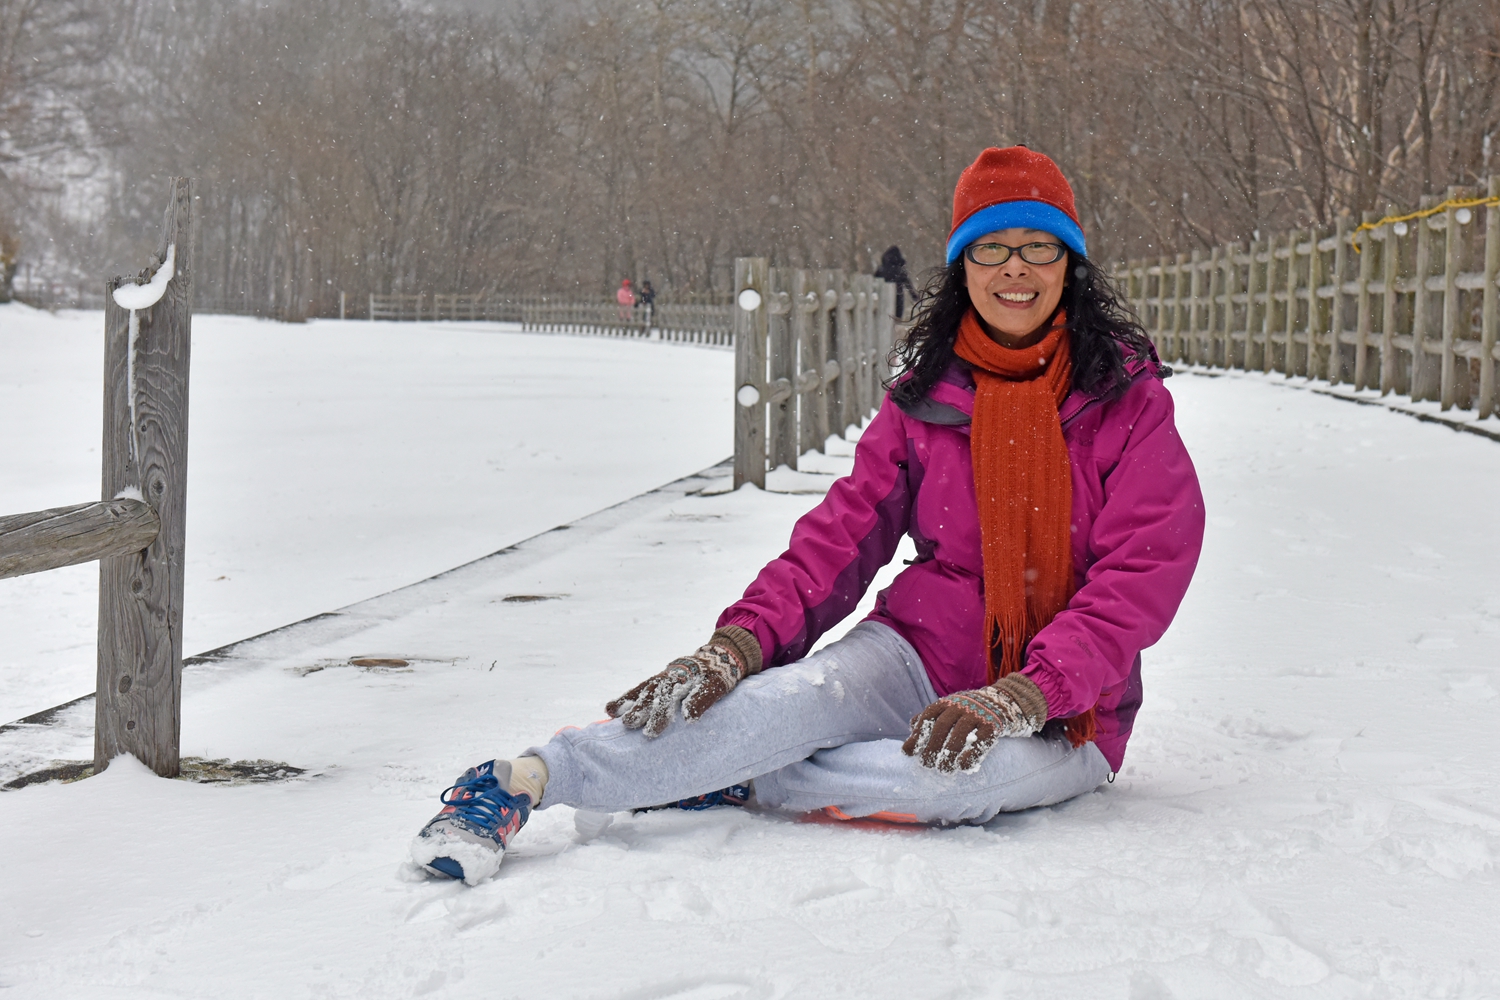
694, 682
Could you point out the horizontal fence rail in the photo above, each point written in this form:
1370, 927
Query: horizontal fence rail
811, 354
1405, 305
66, 536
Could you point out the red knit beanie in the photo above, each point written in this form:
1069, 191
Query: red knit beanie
1013, 187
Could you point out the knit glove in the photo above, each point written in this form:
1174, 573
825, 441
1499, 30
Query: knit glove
954, 733
694, 682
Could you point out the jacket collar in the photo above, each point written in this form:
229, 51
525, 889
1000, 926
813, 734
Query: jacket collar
950, 402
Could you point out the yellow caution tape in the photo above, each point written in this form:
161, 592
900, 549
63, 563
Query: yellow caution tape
1422, 214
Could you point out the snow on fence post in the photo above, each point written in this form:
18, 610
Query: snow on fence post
750, 371
139, 690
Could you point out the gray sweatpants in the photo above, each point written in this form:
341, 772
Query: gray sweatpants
824, 731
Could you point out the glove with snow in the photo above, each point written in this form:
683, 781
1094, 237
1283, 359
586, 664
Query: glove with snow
694, 682
956, 732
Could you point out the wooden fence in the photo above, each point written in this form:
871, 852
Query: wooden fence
137, 530
811, 352
689, 321
1405, 302
685, 323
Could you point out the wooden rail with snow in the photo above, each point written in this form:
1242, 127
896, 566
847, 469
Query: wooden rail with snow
811, 352
136, 532
1408, 306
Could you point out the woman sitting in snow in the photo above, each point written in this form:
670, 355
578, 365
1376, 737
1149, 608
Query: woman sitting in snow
1028, 449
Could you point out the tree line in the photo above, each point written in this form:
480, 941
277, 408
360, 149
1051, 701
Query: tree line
374, 146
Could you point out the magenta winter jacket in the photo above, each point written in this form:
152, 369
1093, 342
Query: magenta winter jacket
1137, 532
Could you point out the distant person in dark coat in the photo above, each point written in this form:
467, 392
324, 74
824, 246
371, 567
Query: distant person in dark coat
648, 300
893, 269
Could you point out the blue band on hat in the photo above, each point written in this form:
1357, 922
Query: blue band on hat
1018, 215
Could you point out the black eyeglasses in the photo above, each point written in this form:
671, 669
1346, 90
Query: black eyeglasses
990, 254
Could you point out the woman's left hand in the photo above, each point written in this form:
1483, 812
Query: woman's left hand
956, 732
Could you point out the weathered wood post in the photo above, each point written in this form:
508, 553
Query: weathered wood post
1175, 337
1490, 310
1194, 349
885, 339
1336, 318
1214, 288
1364, 311
139, 690
1423, 380
1252, 301
847, 354
805, 302
1289, 366
1452, 261
1268, 316
825, 415
1390, 262
861, 286
750, 371
782, 435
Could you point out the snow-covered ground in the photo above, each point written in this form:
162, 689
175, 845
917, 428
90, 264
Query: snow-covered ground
1308, 805
334, 461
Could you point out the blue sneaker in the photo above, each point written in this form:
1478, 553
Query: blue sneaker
467, 838
734, 795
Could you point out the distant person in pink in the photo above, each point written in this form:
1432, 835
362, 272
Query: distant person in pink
626, 298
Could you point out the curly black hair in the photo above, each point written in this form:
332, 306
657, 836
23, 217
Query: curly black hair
1103, 332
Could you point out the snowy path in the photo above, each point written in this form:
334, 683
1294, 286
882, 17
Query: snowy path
1308, 806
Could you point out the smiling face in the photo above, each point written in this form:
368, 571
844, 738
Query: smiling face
1015, 298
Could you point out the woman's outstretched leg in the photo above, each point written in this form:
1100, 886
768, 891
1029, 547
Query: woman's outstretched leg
863, 779
866, 686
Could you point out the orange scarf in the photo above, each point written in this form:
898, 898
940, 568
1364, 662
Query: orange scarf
1024, 487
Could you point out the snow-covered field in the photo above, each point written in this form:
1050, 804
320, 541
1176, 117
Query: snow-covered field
1308, 806
334, 461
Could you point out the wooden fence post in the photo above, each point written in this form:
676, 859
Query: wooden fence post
783, 369
139, 687
1268, 317
1314, 305
750, 371
1490, 309
1452, 261
1289, 326
1390, 263
885, 339
825, 414
864, 338
846, 354
1421, 386
1193, 354
1363, 321
1336, 320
